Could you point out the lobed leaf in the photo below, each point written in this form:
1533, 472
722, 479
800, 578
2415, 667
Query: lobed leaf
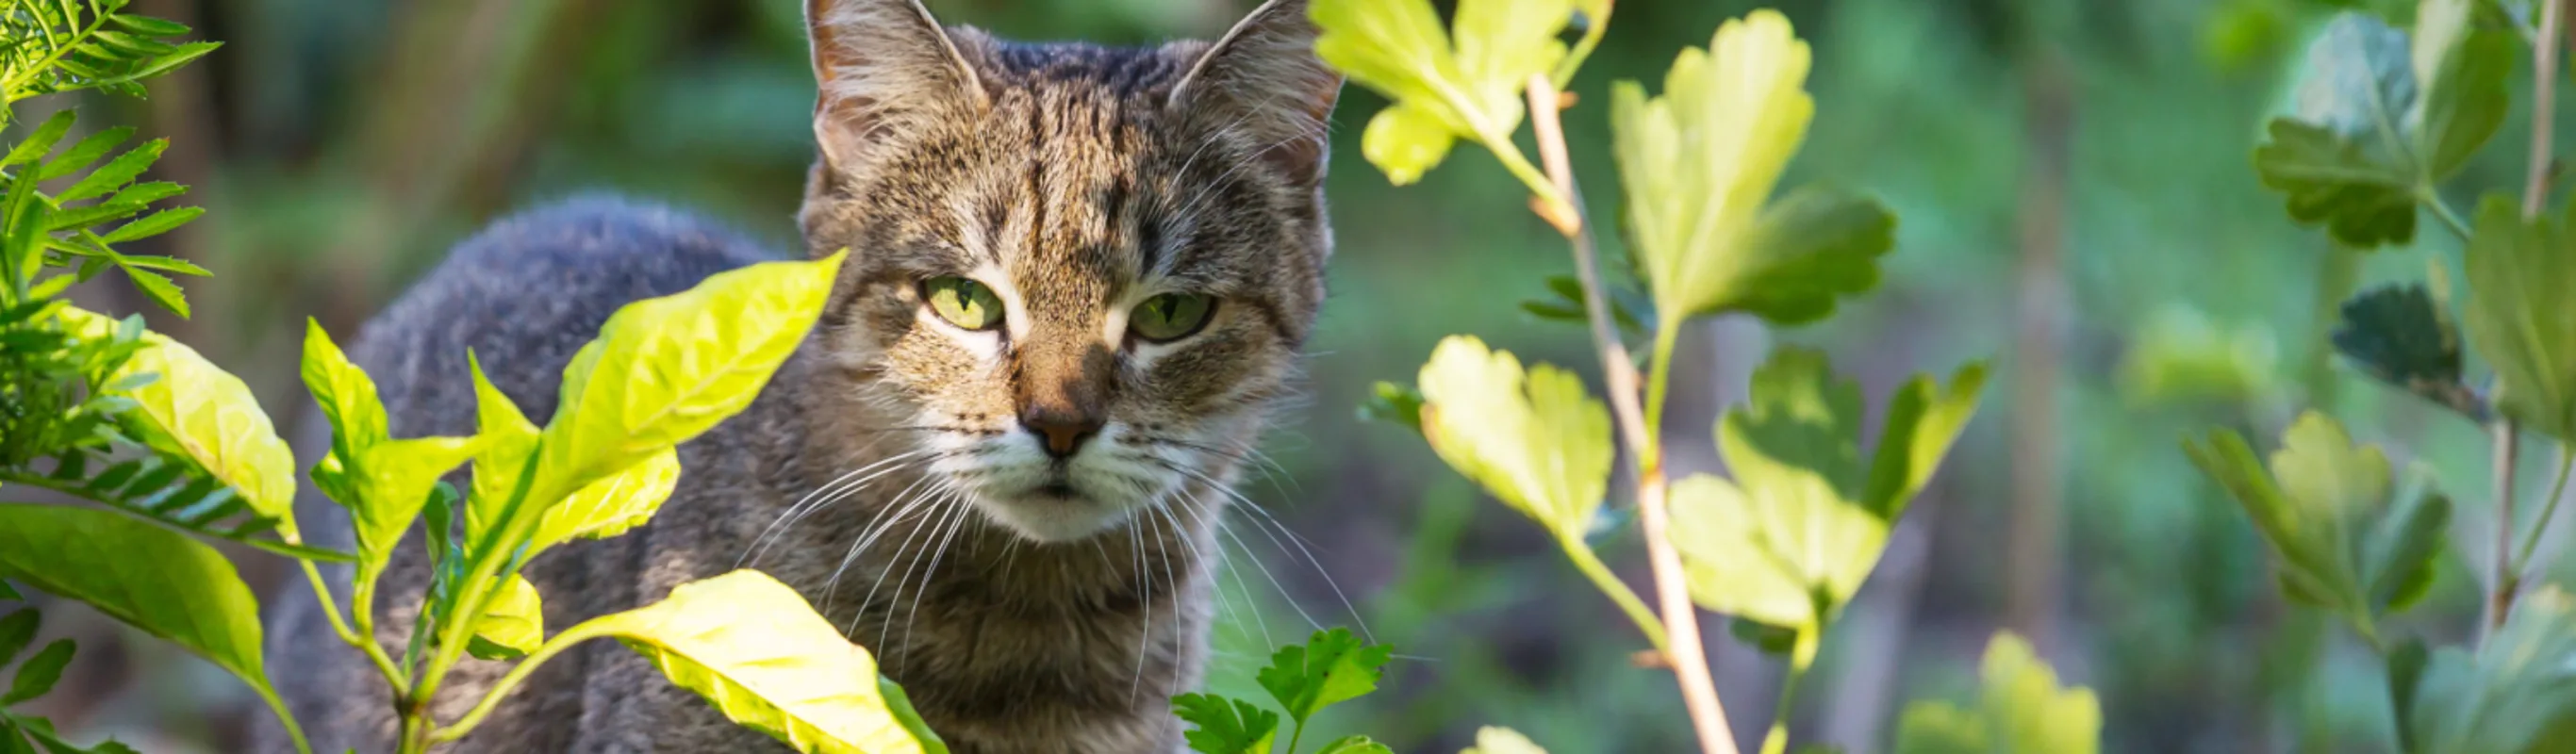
2400, 336
1225, 726
1698, 166
2381, 119
1441, 92
2022, 710
2519, 273
1534, 439
1332, 667
2325, 508
762, 656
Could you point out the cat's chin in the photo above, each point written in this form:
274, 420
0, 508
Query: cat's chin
1052, 513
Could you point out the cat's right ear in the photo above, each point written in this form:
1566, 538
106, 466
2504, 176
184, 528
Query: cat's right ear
881, 66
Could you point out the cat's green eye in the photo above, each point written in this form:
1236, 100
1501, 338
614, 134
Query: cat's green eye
964, 303
1171, 316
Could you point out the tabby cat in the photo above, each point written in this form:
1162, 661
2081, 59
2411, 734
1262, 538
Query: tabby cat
1080, 278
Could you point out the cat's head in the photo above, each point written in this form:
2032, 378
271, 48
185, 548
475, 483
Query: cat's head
1078, 276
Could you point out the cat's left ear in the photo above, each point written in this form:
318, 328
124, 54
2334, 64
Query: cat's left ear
1263, 79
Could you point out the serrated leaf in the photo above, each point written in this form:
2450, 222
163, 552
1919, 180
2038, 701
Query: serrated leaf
84, 153
2516, 695
2326, 509
185, 54
40, 673
513, 622
1793, 536
153, 224
1440, 91
762, 656
1534, 439
665, 369
1225, 726
1493, 740
2380, 121
1332, 667
2399, 336
163, 582
41, 140
147, 25
2023, 710
2519, 274
197, 413
1699, 164
161, 290
116, 173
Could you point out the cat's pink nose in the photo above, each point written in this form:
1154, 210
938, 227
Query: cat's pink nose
1063, 432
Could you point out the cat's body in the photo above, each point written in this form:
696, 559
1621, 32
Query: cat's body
1009, 511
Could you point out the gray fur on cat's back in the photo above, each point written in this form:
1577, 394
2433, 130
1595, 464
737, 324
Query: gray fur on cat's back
524, 295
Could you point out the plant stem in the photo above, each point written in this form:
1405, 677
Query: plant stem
2442, 211
2531, 539
501, 689
294, 732
2502, 581
1801, 657
1658, 382
2505, 579
1680, 617
1591, 566
365, 642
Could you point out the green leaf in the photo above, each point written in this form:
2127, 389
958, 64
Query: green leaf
1398, 404
198, 414
1226, 726
2380, 121
2514, 695
1332, 667
1354, 745
1533, 439
1405, 142
1440, 92
2325, 507
612, 506
161, 290
149, 26
1699, 164
40, 673
116, 173
41, 140
2022, 711
84, 153
510, 443
151, 578
393, 480
346, 394
2406, 663
185, 54
665, 369
1493, 740
2519, 274
762, 656
513, 623
2398, 335
9, 593
1794, 535
154, 224
16, 631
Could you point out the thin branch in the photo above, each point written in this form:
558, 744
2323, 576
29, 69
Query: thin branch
2504, 577
1681, 619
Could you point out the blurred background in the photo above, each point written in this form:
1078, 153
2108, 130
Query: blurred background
2076, 202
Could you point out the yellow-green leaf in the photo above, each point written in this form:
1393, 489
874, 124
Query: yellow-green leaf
347, 395
665, 369
199, 414
1699, 164
1470, 90
611, 506
1535, 440
163, 582
2517, 314
513, 623
1798, 530
2341, 538
765, 659
2023, 710
1493, 740
393, 481
510, 442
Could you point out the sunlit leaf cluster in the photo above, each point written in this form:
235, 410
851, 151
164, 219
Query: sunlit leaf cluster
1332, 667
